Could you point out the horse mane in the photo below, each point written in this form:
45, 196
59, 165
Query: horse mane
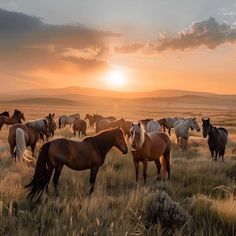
102, 141
37, 124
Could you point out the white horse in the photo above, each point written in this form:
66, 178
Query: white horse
170, 122
182, 130
153, 126
68, 120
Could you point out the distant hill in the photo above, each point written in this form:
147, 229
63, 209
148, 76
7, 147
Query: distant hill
70, 92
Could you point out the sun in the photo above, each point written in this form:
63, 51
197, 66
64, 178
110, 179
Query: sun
115, 78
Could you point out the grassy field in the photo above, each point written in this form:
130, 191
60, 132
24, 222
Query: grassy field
199, 200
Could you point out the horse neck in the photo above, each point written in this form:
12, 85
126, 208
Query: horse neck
184, 127
13, 119
103, 143
212, 132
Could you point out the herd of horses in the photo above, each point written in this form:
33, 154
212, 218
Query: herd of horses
147, 139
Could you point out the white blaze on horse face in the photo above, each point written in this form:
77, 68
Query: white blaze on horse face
137, 129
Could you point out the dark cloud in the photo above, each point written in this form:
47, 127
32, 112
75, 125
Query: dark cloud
27, 43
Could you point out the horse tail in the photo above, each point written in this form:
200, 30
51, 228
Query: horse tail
21, 152
41, 176
59, 122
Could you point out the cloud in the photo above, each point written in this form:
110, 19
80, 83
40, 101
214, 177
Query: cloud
27, 43
207, 33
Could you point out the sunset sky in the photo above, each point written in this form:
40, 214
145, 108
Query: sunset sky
125, 45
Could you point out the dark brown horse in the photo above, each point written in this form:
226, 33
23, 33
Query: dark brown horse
150, 147
91, 120
20, 136
80, 126
87, 154
217, 138
5, 113
52, 126
16, 118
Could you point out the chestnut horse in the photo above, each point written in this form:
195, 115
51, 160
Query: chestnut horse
20, 136
16, 118
124, 124
150, 147
87, 154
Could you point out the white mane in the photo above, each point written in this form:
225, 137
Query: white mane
139, 128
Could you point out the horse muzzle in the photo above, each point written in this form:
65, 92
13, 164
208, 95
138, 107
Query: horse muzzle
125, 151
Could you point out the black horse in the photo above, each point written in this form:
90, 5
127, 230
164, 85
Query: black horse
5, 113
217, 138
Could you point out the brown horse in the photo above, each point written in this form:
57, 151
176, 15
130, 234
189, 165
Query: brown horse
52, 126
87, 154
91, 120
81, 127
20, 136
150, 147
98, 118
5, 113
16, 118
124, 124
145, 121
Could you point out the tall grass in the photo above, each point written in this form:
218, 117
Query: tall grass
119, 205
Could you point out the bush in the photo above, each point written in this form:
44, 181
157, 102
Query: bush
160, 208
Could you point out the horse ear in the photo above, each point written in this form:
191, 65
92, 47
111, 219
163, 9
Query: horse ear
208, 119
203, 120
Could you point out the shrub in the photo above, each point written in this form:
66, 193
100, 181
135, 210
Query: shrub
160, 208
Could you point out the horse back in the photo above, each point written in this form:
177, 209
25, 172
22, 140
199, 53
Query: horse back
159, 144
76, 155
223, 129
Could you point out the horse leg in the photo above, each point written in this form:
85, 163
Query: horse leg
216, 154
169, 131
56, 177
222, 153
145, 165
12, 153
212, 153
167, 161
136, 166
158, 165
49, 174
33, 148
92, 179
74, 133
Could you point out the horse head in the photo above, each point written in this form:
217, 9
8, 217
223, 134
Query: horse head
47, 129
120, 142
137, 136
194, 125
206, 127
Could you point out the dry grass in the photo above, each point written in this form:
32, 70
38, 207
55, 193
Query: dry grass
119, 206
